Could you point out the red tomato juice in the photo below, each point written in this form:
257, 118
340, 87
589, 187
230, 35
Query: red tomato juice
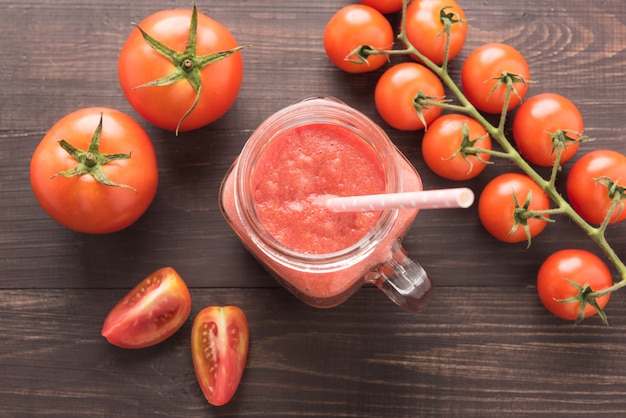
298, 169
294, 173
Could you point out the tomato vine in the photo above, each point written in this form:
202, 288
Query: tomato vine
497, 131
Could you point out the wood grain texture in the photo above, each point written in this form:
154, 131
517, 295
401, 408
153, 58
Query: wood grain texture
484, 347
473, 352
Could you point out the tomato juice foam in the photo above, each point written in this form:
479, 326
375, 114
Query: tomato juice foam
298, 169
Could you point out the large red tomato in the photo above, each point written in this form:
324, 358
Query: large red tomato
180, 69
95, 171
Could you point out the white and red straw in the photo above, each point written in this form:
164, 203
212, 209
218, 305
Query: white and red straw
427, 199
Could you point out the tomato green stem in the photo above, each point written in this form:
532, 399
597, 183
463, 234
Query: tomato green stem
91, 161
447, 19
493, 153
446, 106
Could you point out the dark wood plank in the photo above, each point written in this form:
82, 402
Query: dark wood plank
484, 347
473, 352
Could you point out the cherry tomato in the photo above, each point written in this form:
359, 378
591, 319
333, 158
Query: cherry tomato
353, 26
496, 207
481, 77
210, 73
426, 30
95, 171
442, 142
572, 265
219, 348
396, 91
384, 6
150, 313
589, 184
542, 118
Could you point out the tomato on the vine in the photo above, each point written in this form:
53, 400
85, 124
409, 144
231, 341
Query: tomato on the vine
545, 123
95, 171
398, 94
180, 69
219, 348
596, 180
506, 204
442, 147
150, 313
384, 6
564, 274
352, 27
486, 73
428, 21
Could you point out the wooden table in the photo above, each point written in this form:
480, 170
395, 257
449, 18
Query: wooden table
485, 346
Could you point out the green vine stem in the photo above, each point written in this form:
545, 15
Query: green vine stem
509, 152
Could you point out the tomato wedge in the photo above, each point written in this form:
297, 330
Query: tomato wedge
150, 313
219, 348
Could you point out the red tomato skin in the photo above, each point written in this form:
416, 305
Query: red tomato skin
81, 203
384, 6
589, 198
150, 313
539, 117
443, 139
164, 106
496, 206
352, 26
579, 266
424, 29
396, 89
481, 71
219, 348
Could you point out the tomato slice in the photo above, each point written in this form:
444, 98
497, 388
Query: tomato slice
219, 348
153, 311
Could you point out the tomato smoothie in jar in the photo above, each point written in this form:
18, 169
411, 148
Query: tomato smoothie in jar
273, 198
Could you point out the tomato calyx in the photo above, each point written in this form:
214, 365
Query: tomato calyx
421, 102
467, 148
361, 53
91, 161
187, 64
585, 296
521, 215
509, 80
563, 138
449, 19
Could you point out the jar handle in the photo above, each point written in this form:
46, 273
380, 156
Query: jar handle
404, 281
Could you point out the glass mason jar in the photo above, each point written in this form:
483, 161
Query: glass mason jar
327, 279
